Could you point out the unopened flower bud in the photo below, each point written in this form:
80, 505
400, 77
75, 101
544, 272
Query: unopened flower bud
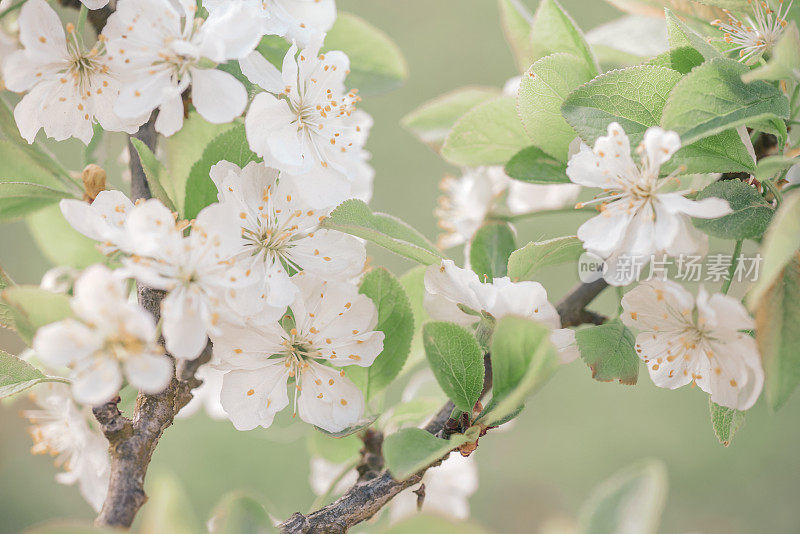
94, 181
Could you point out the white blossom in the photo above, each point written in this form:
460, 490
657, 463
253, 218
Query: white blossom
207, 396
103, 220
704, 341
754, 35
163, 51
199, 271
296, 20
60, 428
448, 288
333, 323
108, 336
484, 191
59, 279
448, 488
636, 219
281, 233
306, 124
68, 88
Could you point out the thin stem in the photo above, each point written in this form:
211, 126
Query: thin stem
11, 9
775, 192
325, 497
737, 250
523, 216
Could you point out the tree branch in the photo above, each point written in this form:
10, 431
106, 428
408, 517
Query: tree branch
133, 441
367, 497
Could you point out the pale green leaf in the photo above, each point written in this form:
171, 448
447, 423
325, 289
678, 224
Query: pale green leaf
456, 361
16, 375
609, 351
33, 308
633, 97
534, 166
751, 212
682, 59
413, 282
713, 98
778, 335
356, 218
169, 509
725, 422
335, 450
553, 31
155, 172
543, 89
230, 145
412, 449
376, 63
770, 166
784, 61
524, 263
239, 513
433, 120
488, 134
724, 152
60, 242
522, 360
630, 501
516, 23
491, 246
396, 321
18, 199
680, 35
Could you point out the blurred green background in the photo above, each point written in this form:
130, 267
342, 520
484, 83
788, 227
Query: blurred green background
574, 433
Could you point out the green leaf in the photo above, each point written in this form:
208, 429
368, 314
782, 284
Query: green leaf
69, 526
362, 424
20, 166
456, 361
229, 146
633, 97
527, 261
751, 212
491, 246
724, 152
609, 351
516, 23
17, 375
413, 282
18, 199
239, 513
682, 59
680, 35
356, 218
154, 171
412, 449
522, 360
335, 450
7, 314
784, 62
713, 98
376, 63
781, 242
725, 421
769, 167
60, 242
534, 166
432, 524
630, 501
433, 120
543, 89
396, 321
778, 336
553, 31
33, 308
183, 150
488, 134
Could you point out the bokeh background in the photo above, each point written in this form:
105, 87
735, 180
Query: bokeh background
574, 433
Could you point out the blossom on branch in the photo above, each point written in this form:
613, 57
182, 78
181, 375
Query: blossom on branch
161, 51
280, 232
296, 20
68, 87
449, 289
704, 341
636, 219
109, 336
330, 322
754, 35
307, 126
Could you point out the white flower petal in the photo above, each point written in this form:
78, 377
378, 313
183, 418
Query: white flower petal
149, 372
217, 95
252, 398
